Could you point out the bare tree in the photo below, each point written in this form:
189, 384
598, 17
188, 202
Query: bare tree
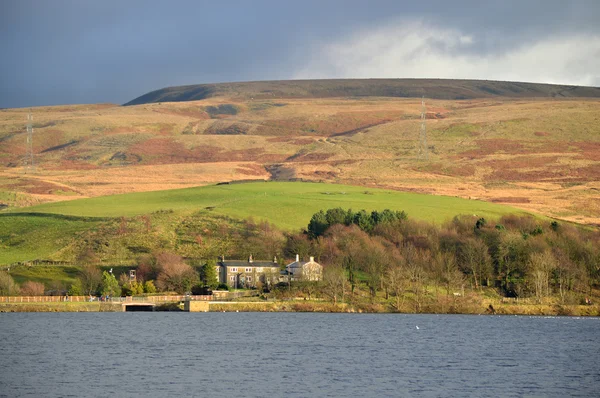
335, 282
395, 279
541, 265
475, 260
174, 273
90, 278
416, 275
8, 287
31, 288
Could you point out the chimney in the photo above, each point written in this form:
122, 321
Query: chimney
222, 259
312, 259
297, 257
275, 259
250, 259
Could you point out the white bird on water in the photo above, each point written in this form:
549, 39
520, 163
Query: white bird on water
417, 327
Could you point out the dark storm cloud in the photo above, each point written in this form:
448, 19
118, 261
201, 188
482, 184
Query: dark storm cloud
112, 51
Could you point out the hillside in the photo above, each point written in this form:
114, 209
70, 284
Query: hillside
44, 231
447, 89
537, 154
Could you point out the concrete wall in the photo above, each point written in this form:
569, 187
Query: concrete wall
195, 306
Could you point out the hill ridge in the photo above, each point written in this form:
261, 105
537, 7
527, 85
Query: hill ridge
444, 89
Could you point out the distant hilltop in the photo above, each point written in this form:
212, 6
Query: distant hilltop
446, 89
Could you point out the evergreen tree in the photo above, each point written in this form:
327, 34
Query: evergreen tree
318, 224
208, 274
110, 285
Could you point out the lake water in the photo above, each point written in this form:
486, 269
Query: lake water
296, 354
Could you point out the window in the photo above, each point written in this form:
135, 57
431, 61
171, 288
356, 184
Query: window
248, 269
232, 278
249, 279
234, 269
259, 269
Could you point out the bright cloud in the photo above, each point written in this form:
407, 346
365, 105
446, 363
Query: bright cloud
416, 49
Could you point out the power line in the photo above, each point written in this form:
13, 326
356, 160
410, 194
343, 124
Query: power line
423, 153
29, 164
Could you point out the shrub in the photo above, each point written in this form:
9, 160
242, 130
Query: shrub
223, 286
76, 289
200, 290
31, 288
149, 287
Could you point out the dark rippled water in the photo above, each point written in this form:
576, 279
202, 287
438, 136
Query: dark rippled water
289, 354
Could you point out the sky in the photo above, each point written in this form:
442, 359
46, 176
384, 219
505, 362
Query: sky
82, 51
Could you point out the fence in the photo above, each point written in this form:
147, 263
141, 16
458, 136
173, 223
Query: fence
42, 299
81, 299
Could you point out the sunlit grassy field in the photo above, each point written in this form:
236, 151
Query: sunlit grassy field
288, 205
44, 230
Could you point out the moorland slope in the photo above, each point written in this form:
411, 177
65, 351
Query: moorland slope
504, 146
448, 89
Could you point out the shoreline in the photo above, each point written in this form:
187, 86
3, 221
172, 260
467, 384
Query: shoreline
321, 307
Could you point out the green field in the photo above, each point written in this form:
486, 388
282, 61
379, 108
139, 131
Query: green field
44, 231
26, 237
289, 205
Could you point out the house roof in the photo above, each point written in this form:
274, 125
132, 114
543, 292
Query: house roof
300, 264
296, 264
246, 264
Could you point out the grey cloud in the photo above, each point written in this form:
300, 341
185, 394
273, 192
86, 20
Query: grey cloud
68, 51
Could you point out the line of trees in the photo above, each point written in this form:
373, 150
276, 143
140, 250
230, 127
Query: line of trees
520, 256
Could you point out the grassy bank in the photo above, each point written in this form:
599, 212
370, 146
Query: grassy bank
61, 307
469, 308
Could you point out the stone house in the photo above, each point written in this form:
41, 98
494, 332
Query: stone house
308, 271
247, 274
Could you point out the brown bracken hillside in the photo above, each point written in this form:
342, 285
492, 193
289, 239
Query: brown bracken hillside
533, 146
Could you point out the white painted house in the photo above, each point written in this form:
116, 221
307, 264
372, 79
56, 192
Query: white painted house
304, 270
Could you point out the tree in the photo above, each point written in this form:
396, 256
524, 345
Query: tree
374, 260
132, 288
8, 287
174, 274
512, 259
414, 259
541, 266
90, 278
146, 267
110, 285
297, 244
31, 288
475, 260
336, 216
364, 221
387, 216
318, 224
395, 279
76, 288
267, 242
335, 282
208, 274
